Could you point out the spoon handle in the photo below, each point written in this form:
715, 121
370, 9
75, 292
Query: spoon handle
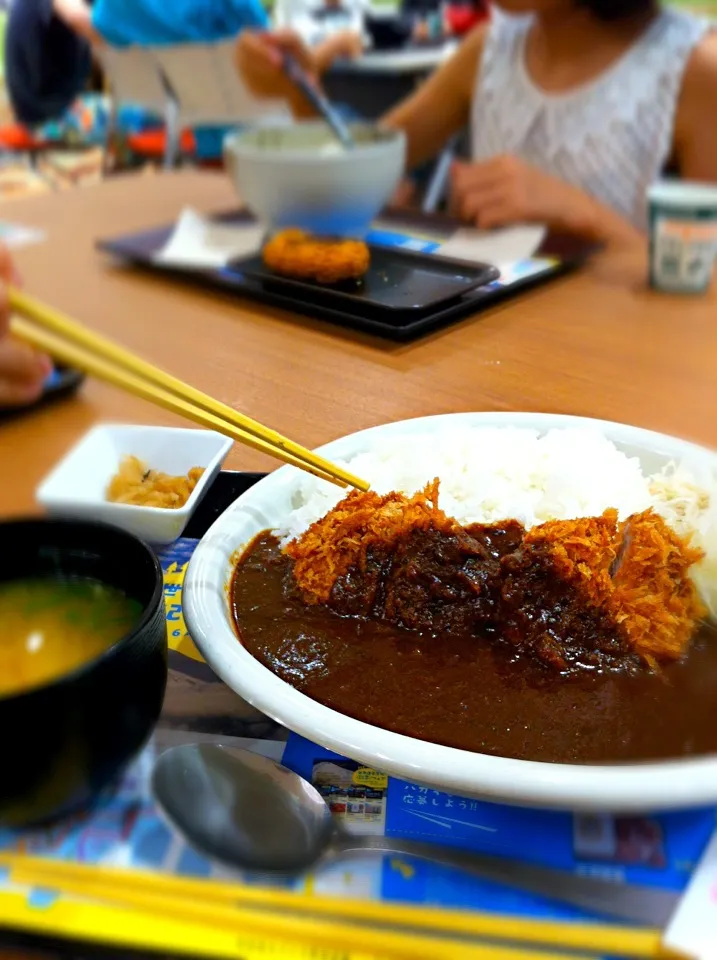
636, 904
296, 74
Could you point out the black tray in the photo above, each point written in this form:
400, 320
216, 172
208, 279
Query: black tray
221, 493
398, 281
139, 250
63, 382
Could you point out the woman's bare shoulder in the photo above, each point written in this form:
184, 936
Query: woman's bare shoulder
456, 75
699, 84
695, 127
463, 65
702, 65
473, 44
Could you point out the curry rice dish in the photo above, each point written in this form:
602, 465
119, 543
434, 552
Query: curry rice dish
573, 641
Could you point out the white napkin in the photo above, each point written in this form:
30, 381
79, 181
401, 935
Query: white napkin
500, 247
203, 244
16, 235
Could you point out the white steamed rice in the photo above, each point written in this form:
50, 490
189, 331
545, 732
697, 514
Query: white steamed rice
490, 474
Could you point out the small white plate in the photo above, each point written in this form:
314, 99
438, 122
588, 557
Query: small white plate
77, 486
626, 787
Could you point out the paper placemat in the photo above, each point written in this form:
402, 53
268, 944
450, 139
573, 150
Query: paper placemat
198, 242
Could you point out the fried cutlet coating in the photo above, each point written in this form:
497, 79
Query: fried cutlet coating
635, 573
294, 253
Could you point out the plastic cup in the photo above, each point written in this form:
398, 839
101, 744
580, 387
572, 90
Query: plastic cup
683, 235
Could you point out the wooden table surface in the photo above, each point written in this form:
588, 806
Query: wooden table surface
597, 343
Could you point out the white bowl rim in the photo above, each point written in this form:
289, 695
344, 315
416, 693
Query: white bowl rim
235, 143
629, 787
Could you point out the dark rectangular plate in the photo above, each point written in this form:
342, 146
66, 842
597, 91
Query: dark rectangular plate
138, 249
401, 281
222, 492
63, 382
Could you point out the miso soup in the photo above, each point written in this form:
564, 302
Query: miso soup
51, 627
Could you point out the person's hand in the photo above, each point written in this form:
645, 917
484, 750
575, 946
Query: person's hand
404, 195
352, 44
507, 190
23, 371
259, 60
421, 31
342, 45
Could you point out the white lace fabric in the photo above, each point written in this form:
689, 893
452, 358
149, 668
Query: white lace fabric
612, 137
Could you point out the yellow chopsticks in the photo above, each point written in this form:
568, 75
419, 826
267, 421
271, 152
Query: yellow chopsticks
74, 344
144, 389
385, 929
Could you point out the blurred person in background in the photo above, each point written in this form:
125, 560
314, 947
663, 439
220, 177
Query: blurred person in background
436, 19
23, 371
425, 18
150, 23
333, 29
575, 108
49, 43
47, 61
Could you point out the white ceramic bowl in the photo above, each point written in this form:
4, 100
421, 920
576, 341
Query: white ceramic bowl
627, 787
299, 176
77, 485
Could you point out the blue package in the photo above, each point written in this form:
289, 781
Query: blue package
659, 851
392, 238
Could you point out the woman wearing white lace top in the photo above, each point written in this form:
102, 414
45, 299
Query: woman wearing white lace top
575, 107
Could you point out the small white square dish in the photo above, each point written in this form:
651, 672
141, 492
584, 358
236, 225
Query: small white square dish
77, 486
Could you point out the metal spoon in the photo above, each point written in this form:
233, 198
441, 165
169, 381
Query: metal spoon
248, 811
298, 76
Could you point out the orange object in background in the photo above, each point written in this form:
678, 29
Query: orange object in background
19, 139
152, 143
460, 18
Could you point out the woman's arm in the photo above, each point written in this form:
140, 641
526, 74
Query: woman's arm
507, 190
46, 63
695, 144
440, 107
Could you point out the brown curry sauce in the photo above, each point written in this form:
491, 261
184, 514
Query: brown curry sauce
464, 691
